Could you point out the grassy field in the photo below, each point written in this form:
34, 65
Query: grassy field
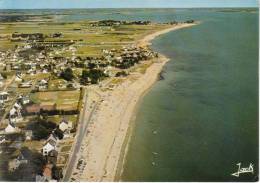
39, 76
64, 100
33, 144
57, 118
91, 40
55, 84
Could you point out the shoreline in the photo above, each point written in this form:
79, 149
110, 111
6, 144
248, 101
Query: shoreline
109, 131
146, 41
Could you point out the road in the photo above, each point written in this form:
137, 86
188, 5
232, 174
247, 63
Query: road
85, 116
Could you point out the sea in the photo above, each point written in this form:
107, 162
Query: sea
200, 122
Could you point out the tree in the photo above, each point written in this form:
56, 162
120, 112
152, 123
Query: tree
41, 128
91, 65
57, 173
95, 75
122, 73
67, 74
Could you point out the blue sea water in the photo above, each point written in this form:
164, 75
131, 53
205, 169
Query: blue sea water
202, 120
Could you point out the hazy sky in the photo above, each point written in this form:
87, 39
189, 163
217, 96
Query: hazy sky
56, 4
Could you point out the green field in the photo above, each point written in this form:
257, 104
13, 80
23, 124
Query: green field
89, 40
64, 100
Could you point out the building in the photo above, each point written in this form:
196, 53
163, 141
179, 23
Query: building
65, 125
1, 77
11, 128
4, 96
25, 84
15, 163
52, 157
28, 135
51, 144
25, 100
15, 113
47, 172
2, 139
18, 78
43, 84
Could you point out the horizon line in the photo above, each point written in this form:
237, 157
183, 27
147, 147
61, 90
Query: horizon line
130, 8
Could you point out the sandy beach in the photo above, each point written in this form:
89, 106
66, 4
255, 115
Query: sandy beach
103, 146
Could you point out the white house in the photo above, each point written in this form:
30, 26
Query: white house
18, 78
28, 135
25, 84
1, 77
43, 84
50, 145
15, 113
17, 106
11, 128
65, 125
25, 100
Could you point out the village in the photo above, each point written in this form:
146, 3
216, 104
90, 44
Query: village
43, 81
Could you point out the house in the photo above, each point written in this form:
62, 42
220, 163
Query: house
18, 78
15, 113
2, 139
27, 84
4, 97
50, 145
11, 128
40, 178
47, 172
43, 84
15, 163
17, 106
44, 71
28, 135
25, 100
52, 157
65, 126
1, 77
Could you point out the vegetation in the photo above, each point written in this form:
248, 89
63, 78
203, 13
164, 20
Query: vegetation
64, 100
57, 173
67, 74
93, 76
189, 21
41, 128
121, 73
26, 172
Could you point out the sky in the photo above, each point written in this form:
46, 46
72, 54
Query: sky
64, 4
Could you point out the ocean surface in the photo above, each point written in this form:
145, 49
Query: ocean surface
202, 119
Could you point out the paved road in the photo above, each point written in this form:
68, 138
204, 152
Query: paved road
85, 116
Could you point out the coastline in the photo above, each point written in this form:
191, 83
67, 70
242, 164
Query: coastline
106, 144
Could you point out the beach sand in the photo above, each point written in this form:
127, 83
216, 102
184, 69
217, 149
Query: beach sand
102, 147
